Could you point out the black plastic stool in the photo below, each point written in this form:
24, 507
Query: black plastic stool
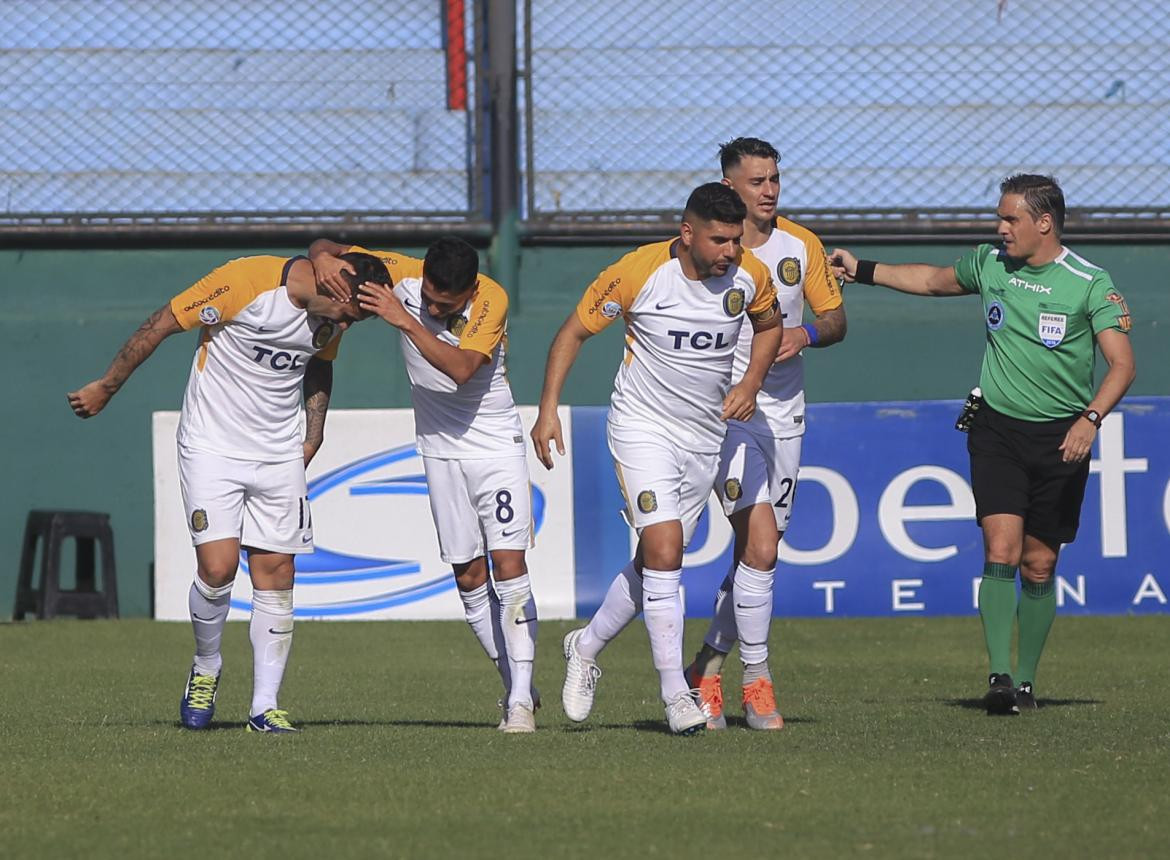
47, 600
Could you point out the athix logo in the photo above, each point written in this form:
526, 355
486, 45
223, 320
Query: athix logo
1028, 285
335, 583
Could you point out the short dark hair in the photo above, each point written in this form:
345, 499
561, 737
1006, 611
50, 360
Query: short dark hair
366, 267
735, 151
1041, 195
715, 201
451, 265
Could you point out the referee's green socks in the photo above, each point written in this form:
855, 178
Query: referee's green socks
1036, 612
997, 610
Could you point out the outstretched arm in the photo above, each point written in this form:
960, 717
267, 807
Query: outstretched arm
918, 279
91, 399
561, 355
317, 387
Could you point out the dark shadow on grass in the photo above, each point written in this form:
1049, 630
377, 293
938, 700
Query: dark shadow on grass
977, 704
217, 725
741, 722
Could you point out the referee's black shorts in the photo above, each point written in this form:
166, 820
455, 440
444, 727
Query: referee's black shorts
1016, 468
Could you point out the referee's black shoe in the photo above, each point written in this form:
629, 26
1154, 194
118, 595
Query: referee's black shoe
1001, 695
1025, 699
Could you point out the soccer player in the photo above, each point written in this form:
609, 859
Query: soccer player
684, 302
266, 334
761, 456
454, 339
1046, 311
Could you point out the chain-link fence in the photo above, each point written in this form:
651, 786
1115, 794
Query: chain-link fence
893, 112
206, 110
895, 109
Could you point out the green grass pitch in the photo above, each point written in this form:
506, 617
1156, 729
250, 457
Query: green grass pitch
884, 753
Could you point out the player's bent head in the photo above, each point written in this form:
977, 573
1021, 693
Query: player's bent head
735, 151
366, 268
451, 266
1042, 196
714, 201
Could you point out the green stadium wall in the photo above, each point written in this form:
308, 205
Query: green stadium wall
68, 311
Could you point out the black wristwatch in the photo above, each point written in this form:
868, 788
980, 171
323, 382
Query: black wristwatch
1094, 416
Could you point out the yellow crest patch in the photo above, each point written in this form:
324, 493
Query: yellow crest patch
456, 323
199, 520
647, 501
788, 270
732, 489
323, 335
733, 301
1124, 320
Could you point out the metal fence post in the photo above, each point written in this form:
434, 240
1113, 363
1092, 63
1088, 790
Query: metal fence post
504, 252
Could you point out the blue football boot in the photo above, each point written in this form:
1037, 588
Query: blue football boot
272, 721
197, 706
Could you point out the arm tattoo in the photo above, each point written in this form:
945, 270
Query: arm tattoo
318, 385
831, 327
137, 349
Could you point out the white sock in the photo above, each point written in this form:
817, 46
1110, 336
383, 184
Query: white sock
271, 633
752, 593
209, 611
518, 620
662, 611
481, 608
623, 602
722, 633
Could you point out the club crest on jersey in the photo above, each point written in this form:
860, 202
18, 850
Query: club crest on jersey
788, 270
1124, 321
199, 520
733, 301
732, 489
610, 310
647, 502
209, 316
1052, 328
456, 323
323, 335
995, 316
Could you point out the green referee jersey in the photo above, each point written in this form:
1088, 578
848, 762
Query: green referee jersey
1041, 328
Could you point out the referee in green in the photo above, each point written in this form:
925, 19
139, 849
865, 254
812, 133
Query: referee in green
1047, 311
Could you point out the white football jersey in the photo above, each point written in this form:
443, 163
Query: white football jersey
681, 337
796, 259
243, 396
477, 419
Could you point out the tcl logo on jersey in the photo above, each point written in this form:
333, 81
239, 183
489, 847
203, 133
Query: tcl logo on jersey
699, 339
277, 360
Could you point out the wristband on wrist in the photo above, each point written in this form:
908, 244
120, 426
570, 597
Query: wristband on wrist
811, 331
864, 273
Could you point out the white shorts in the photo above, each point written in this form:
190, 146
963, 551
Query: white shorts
478, 505
758, 470
660, 481
263, 505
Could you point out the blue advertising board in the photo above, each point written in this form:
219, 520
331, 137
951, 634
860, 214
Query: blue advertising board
884, 521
